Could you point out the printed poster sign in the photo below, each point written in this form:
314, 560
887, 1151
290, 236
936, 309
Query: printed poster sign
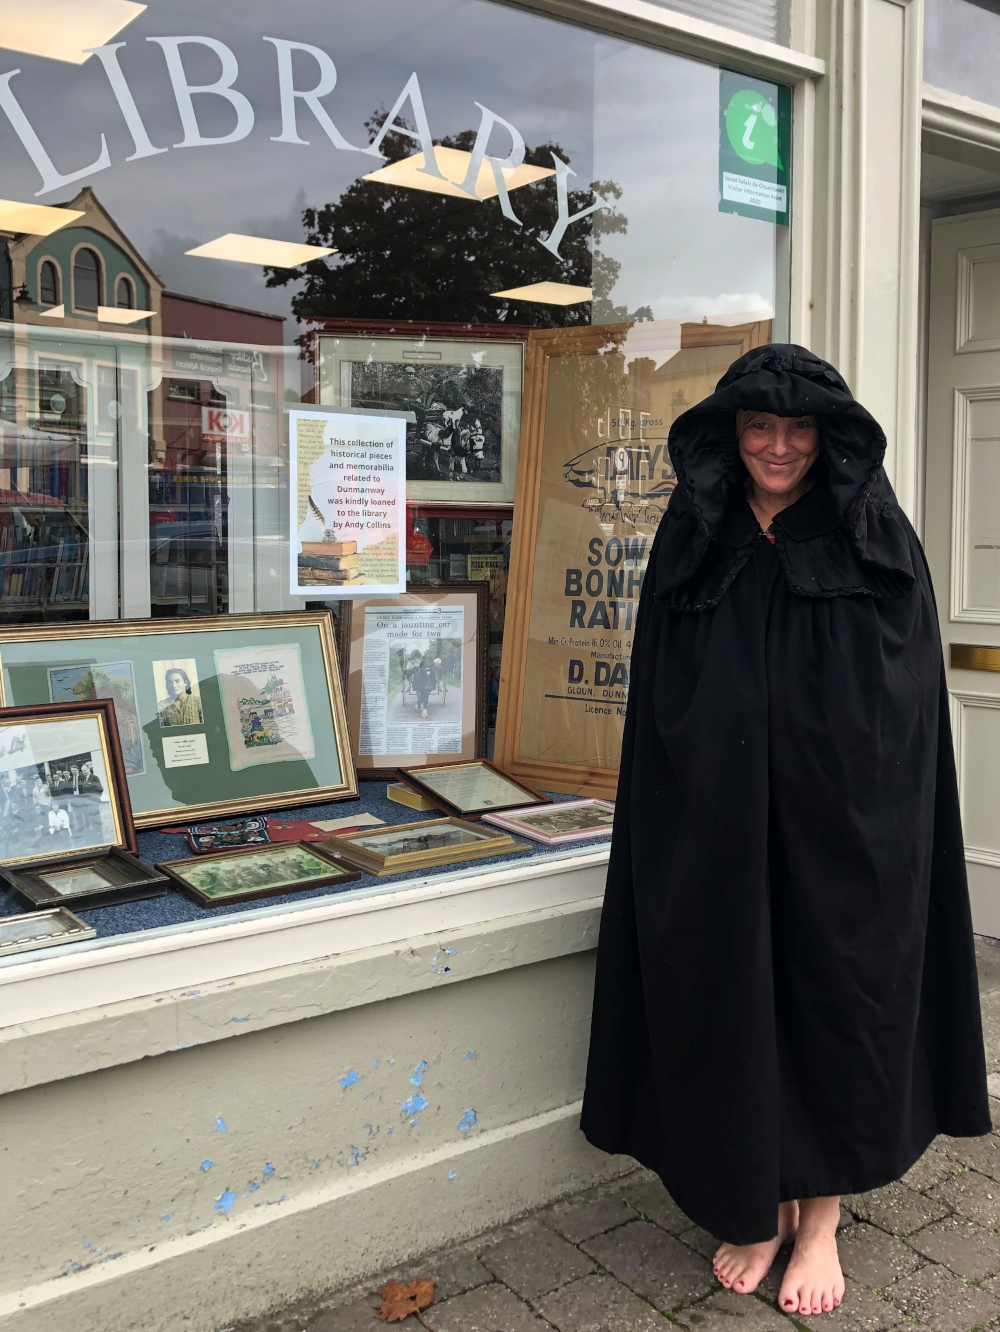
348, 503
411, 697
264, 705
755, 145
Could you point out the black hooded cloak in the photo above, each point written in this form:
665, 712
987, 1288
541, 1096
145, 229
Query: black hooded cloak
786, 1002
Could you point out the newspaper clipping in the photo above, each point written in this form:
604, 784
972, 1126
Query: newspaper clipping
411, 693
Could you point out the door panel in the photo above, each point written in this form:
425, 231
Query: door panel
962, 522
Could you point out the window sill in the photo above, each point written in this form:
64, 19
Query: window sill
68, 982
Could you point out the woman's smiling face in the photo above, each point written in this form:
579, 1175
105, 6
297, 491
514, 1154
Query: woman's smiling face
778, 451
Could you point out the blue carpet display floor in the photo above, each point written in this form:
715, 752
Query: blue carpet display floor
176, 909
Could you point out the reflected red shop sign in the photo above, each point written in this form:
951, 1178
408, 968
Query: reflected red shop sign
221, 425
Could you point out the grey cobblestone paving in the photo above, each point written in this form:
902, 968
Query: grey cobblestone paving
921, 1255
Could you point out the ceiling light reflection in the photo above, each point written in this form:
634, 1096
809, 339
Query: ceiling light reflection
454, 163
112, 314
548, 293
63, 29
34, 219
259, 250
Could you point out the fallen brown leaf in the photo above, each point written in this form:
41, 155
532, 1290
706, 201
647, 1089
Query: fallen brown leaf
399, 1300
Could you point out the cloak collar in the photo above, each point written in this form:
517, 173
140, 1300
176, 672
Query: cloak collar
847, 535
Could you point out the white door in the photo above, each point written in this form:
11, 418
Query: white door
962, 523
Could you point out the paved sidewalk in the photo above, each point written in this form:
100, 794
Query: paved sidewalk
920, 1254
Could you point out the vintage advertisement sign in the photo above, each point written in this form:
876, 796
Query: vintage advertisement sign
755, 137
347, 492
595, 483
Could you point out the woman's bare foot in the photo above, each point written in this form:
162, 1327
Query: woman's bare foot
813, 1280
742, 1267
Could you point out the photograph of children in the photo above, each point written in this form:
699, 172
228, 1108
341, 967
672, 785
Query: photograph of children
458, 410
260, 871
114, 680
55, 807
177, 698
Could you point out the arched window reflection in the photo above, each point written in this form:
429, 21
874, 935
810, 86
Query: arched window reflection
48, 283
86, 280
124, 294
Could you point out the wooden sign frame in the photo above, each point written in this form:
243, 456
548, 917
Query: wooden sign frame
515, 680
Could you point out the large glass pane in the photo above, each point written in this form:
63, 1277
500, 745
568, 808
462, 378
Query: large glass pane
339, 216
962, 47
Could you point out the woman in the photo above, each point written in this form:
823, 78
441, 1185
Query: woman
786, 1006
181, 707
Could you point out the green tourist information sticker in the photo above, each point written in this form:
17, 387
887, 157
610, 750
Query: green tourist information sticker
755, 123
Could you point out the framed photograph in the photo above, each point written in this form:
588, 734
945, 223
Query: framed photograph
593, 483
219, 715
240, 876
460, 385
471, 789
63, 788
94, 880
416, 677
42, 929
412, 846
567, 821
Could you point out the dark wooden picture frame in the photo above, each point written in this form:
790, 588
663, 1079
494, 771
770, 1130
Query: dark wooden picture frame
127, 880
411, 777
345, 619
114, 764
344, 872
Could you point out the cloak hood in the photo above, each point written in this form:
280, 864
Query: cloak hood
847, 536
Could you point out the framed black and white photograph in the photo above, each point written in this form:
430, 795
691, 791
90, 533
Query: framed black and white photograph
63, 788
462, 395
414, 846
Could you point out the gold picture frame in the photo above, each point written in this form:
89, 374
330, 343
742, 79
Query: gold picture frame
403, 847
216, 748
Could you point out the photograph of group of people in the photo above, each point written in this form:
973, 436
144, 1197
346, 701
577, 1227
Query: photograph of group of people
55, 806
455, 434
